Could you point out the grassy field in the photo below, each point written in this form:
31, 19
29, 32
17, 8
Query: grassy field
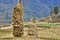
45, 25
49, 25
44, 33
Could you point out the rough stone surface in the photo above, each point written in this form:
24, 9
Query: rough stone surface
32, 31
17, 20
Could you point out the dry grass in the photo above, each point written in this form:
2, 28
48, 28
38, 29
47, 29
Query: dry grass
43, 34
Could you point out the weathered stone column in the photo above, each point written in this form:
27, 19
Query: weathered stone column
17, 20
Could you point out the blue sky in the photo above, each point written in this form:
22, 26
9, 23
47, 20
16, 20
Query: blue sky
49, 3
38, 8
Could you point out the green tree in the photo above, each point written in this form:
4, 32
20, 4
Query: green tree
56, 10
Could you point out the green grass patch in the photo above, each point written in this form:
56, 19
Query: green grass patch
46, 25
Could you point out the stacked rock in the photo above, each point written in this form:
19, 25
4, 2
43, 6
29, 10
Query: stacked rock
17, 20
33, 31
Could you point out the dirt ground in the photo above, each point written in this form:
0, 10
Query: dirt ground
43, 34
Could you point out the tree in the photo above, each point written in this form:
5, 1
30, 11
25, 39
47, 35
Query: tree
56, 10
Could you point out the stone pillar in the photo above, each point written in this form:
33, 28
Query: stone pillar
17, 20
